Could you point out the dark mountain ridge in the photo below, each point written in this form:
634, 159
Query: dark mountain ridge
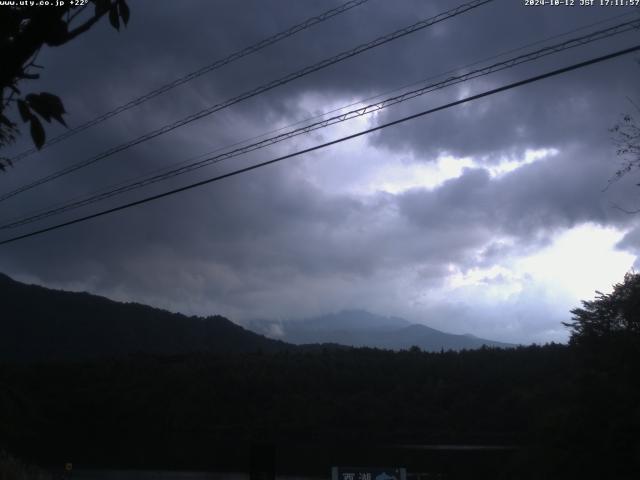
42, 324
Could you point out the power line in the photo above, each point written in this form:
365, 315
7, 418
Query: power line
168, 168
496, 67
327, 144
313, 117
323, 114
172, 170
257, 91
310, 22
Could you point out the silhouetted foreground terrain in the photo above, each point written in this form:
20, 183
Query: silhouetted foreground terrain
566, 411
42, 324
571, 415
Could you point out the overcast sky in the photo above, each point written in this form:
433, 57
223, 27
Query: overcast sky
488, 218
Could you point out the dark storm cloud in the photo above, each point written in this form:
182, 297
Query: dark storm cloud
273, 241
538, 198
577, 107
547, 115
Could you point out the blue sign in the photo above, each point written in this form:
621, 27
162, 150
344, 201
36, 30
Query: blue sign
363, 473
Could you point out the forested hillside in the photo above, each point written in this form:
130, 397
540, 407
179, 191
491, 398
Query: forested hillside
37, 323
554, 411
560, 411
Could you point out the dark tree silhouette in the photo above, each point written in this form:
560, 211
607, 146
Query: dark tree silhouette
609, 315
627, 139
117, 385
24, 30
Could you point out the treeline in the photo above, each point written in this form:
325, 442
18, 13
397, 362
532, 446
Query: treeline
554, 411
568, 412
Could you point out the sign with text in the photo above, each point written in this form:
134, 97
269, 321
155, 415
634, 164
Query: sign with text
364, 473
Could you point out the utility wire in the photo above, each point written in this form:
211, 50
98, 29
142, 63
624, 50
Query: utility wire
313, 117
252, 93
496, 67
168, 168
321, 115
310, 22
494, 91
381, 94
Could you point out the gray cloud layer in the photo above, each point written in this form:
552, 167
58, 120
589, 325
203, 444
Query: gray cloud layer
274, 242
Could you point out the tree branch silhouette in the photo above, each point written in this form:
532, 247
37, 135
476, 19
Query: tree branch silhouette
25, 30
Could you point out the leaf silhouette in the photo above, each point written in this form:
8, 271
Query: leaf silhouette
101, 6
123, 8
113, 18
40, 107
47, 106
37, 132
25, 113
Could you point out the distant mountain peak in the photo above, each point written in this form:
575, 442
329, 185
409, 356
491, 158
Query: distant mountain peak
361, 328
350, 319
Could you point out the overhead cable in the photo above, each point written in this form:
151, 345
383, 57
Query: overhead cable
310, 22
191, 186
368, 109
252, 93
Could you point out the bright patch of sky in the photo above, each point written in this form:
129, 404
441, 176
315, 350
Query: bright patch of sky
555, 279
580, 261
530, 156
568, 267
359, 168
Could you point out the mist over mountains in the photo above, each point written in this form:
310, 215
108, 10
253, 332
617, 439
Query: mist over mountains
360, 328
41, 324
146, 388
